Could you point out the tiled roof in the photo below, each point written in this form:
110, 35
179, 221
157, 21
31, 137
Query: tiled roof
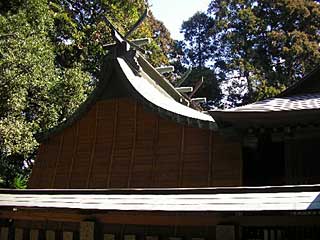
292, 103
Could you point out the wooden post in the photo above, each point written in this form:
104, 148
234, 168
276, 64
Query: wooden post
108, 237
4, 233
18, 234
34, 234
225, 232
87, 230
50, 235
130, 237
67, 235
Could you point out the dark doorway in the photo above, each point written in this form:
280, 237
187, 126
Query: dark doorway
263, 162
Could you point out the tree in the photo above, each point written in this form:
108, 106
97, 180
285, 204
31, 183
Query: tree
29, 81
82, 32
265, 46
197, 48
162, 43
197, 38
50, 56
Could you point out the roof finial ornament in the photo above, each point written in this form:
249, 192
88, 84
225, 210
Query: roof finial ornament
122, 42
138, 23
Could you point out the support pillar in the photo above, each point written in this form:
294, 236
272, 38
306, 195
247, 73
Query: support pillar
34, 234
50, 235
4, 234
67, 235
18, 234
87, 230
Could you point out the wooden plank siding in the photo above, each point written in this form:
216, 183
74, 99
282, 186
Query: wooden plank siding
119, 144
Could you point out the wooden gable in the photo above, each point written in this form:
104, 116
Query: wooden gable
136, 131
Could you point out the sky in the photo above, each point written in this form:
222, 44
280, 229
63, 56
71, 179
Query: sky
173, 12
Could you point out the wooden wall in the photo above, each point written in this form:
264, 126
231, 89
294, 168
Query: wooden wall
118, 144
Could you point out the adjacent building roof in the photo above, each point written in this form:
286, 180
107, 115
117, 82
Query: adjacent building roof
278, 104
289, 198
309, 84
299, 104
292, 110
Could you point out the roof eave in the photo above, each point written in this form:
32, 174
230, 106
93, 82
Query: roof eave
266, 119
129, 78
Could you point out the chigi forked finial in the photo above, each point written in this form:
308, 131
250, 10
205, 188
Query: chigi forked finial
122, 40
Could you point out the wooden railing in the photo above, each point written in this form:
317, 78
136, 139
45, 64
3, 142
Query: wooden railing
281, 233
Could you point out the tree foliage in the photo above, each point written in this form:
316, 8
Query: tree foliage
198, 39
197, 49
265, 46
28, 85
81, 24
50, 56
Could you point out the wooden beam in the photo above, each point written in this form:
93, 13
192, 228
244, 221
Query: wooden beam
141, 41
74, 152
199, 100
276, 220
143, 218
114, 138
210, 158
159, 218
181, 156
184, 76
155, 144
184, 89
93, 149
41, 216
57, 160
165, 69
134, 140
196, 87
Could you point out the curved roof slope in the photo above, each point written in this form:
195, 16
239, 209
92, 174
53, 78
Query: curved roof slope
128, 74
159, 99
